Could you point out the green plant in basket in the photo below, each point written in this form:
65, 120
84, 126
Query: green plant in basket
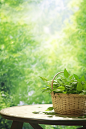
66, 83
68, 93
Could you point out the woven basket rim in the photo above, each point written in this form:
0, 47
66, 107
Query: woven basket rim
62, 94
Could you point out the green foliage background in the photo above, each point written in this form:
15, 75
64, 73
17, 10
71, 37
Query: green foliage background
32, 44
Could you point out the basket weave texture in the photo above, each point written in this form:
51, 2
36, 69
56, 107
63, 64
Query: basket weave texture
68, 104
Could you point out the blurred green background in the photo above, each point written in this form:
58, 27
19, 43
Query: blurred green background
38, 38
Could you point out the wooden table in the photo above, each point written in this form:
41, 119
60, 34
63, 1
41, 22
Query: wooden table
37, 114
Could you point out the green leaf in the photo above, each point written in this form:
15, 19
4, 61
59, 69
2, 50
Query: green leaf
84, 86
49, 109
70, 77
43, 78
36, 112
59, 89
82, 78
65, 92
76, 77
46, 89
79, 86
66, 74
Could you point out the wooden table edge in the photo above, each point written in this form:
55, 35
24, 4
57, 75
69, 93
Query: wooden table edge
47, 122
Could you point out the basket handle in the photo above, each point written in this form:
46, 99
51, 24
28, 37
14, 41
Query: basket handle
54, 78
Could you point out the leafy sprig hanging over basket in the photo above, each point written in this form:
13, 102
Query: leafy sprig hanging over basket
66, 83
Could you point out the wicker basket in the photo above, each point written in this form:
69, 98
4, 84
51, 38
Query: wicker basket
68, 104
